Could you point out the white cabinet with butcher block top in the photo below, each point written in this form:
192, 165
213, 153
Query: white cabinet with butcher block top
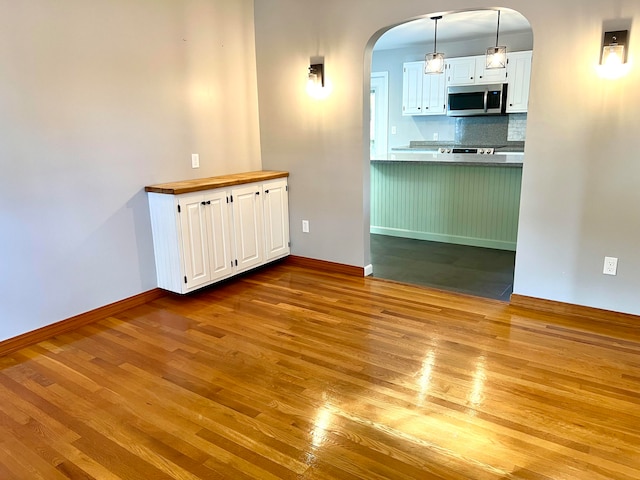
201, 237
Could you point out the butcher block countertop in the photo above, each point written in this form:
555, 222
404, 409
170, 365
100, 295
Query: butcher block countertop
187, 186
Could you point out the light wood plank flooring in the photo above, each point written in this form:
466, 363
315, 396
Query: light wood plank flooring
299, 374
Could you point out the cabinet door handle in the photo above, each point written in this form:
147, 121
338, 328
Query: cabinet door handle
208, 202
203, 203
266, 191
257, 193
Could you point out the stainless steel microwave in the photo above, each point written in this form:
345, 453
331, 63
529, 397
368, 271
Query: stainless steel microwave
469, 100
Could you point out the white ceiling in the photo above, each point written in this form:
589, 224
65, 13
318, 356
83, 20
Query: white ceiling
453, 26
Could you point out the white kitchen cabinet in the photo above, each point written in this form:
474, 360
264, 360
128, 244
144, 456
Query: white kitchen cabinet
422, 94
461, 71
473, 71
488, 75
434, 94
412, 73
205, 239
276, 215
248, 219
519, 79
205, 236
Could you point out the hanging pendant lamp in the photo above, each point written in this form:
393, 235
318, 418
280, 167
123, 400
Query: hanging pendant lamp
497, 56
434, 62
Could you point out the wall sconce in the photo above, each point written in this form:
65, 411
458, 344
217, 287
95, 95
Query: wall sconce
434, 62
497, 56
316, 75
614, 48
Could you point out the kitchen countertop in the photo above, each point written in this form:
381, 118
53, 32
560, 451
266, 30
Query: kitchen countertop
499, 159
199, 184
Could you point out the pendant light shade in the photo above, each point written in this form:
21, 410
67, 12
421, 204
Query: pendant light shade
434, 62
497, 56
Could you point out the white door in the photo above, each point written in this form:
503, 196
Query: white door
248, 223
412, 74
461, 71
193, 222
217, 212
379, 120
276, 218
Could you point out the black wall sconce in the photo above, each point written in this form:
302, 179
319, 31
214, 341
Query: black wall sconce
614, 48
316, 74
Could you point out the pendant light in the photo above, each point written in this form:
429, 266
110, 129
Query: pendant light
497, 56
434, 62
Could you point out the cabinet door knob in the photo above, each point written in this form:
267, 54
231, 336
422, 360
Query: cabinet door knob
266, 191
203, 203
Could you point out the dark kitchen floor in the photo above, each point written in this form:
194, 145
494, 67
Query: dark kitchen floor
483, 272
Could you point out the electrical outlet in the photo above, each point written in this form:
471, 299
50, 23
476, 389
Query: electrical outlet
610, 266
435, 136
195, 160
305, 226
394, 130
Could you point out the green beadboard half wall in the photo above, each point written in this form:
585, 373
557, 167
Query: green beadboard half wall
462, 204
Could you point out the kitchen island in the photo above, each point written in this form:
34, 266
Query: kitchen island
454, 198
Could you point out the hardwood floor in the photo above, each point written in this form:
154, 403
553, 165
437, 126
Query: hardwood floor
300, 374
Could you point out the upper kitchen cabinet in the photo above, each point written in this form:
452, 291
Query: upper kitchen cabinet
461, 71
422, 94
489, 75
412, 74
472, 70
519, 79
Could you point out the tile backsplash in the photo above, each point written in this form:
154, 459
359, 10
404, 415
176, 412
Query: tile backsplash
490, 130
474, 131
517, 127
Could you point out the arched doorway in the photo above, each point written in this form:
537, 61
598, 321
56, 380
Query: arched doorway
448, 220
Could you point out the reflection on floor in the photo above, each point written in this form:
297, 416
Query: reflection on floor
482, 272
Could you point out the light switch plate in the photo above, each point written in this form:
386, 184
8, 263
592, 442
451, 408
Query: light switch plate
195, 160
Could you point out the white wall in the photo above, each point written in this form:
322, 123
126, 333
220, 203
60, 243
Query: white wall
97, 100
579, 197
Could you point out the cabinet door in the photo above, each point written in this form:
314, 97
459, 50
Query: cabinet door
276, 218
248, 223
434, 94
195, 244
461, 71
519, 78
412, 74
217, 212
489, 75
